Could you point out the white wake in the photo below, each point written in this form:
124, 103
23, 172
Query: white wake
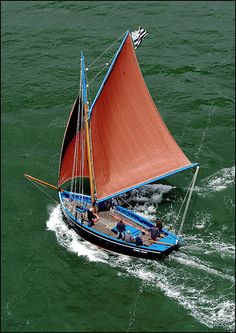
183, 277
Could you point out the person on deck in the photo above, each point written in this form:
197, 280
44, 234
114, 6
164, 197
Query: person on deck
92, 217
120, 229
159, 226
155, 233
138, 240
128, 238
156, 230
111, 205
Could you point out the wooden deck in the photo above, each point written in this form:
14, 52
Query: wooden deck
108, 220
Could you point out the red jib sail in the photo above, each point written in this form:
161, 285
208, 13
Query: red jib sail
131, 144
74, 147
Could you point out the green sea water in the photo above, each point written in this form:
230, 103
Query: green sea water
51, 280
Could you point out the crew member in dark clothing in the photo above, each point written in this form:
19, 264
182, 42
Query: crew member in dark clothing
156, 231
92, 217
120, 229
138, 240
159, 226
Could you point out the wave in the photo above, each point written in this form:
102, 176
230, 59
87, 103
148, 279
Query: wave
152, 192
211, 244
146, 199
183, 277
195, 262
59, 122
216, 182
70, 240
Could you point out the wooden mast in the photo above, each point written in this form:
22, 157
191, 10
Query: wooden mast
87, 130
89, 153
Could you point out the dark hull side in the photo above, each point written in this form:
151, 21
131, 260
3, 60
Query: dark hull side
112, 245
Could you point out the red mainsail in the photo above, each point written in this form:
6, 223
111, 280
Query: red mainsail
131, 144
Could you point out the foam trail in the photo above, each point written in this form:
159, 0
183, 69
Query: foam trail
196, 263
218, 181
211, 311
69, 239
210, 244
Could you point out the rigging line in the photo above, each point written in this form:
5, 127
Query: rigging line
182, 205
106, 50
100, 71
183, 202
92, 164
107, 63
204, 133
88, 90
81, 163
73, 182
77, 137
87, 69
187, 204
43, 191
82, 157
126, 202
83, 137
81, 140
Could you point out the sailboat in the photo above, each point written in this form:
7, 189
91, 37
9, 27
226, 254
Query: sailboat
120, 143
